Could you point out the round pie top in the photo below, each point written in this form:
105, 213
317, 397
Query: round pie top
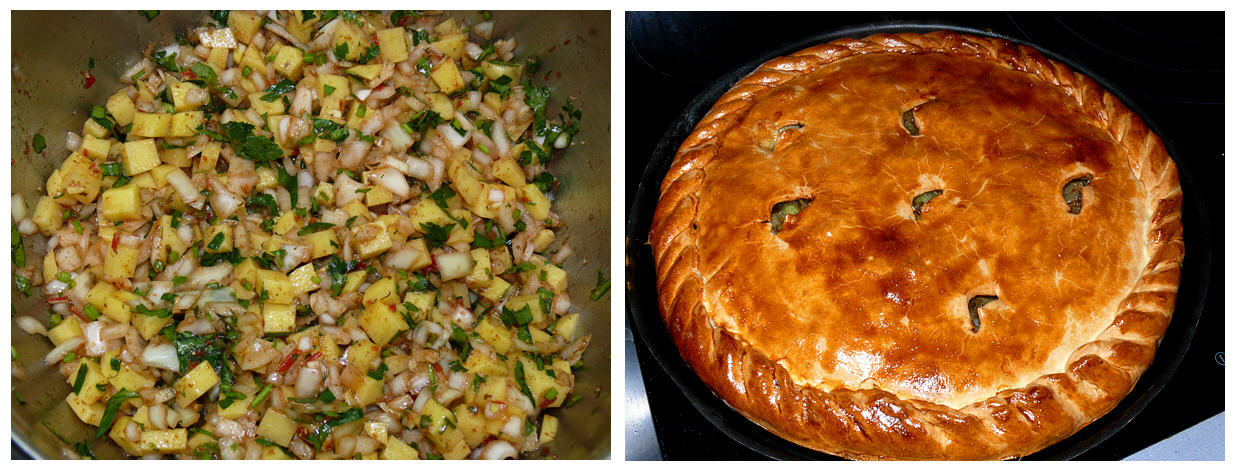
919, 223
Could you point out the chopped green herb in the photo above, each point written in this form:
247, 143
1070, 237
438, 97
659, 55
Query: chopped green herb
114, 405
601, 288
40, 143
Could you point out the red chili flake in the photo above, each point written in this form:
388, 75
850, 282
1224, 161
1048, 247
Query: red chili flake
57, 299
288, 361
315, 356
77, 312
116, 240
88, 80
374, 37
187, 74
405, 20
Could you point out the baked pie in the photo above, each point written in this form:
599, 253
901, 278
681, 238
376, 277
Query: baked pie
919, 246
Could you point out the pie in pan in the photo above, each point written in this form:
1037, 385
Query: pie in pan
919, 246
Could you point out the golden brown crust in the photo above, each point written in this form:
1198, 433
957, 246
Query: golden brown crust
783, 360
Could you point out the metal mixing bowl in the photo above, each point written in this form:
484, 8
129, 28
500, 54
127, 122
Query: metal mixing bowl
52, 49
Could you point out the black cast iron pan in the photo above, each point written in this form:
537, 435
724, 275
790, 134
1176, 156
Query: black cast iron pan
642, 296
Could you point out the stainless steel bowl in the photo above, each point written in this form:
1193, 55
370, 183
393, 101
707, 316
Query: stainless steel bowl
52, 49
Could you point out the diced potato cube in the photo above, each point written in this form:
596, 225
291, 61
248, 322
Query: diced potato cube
261, 107
397, 449
441, 104
93, 129
172, 158
286, 222
535, 201
50, 268
556, 278
163, 441
120, 263
278, 318
68, 328
352, 36
508, 171
494, 70
323, 243
331, 105
427, 211
383, 290
288, 61
442, 428
423, 301
150, 125
548, 391
496, 289
95, 148
566, 326
181, 90
324, 193
185, 124
543, 240
91, 381
368, 391
48, 215
126, 378
393, 47
277, 427
451, 45
515, 304
148, 325
121, 107
303, 279
381, 322
353, 280
218, 58
465, 180
244, 25
116, 309
218, 238
363, 354
121, 204
481, 275
447, 77
471, 423
499, 337
378, 241
253, 58
78, 178
378, 195
90, 412
195, 383
550, 426
365, 72
421, 255
218, 38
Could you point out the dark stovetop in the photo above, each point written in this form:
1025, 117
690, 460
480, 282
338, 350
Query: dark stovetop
1169, 65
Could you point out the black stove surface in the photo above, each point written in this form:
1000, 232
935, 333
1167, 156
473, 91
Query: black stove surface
1168, 65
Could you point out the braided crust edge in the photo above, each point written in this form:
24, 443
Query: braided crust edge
875, 424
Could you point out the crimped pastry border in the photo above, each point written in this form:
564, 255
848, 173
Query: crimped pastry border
875, 424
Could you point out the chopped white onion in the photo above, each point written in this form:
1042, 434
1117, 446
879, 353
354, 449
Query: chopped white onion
73, 141
63, 349
184, 187
18, 207
499, 449
453, 139
30, 325
161, 356
392, 180
423, 398
308, 380
202, 276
